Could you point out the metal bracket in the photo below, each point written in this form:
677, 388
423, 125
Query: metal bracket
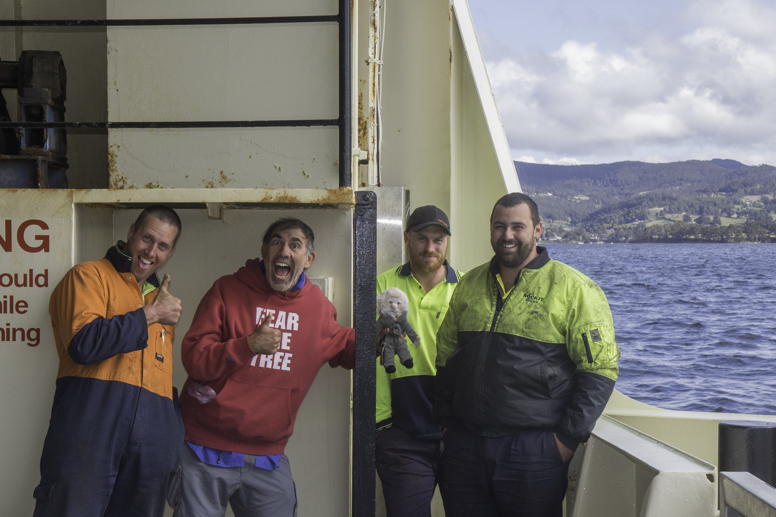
215, 210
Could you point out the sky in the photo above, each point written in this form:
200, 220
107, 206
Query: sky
602, 81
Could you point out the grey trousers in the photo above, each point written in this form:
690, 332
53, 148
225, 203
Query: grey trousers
202, 490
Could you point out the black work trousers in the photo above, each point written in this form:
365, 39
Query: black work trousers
408, 469
520, 475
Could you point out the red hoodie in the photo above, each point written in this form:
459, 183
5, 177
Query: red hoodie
257, 396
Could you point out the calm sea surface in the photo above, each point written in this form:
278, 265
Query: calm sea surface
695, 323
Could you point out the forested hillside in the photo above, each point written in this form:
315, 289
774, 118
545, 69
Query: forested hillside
637, 201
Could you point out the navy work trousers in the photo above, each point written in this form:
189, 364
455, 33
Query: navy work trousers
520, 475
109, 452
407, 467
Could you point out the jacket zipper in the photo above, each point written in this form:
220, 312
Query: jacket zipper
587, 348
499, 305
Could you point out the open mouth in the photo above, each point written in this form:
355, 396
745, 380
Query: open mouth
143, 263
281, 269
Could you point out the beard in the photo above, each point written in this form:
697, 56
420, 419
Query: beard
513, 259
283, 284
420, 262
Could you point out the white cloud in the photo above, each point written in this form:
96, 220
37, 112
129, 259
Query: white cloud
548, 161
706, 94
750, 18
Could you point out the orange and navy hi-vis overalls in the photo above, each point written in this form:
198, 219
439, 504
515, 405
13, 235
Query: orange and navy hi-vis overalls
115, 432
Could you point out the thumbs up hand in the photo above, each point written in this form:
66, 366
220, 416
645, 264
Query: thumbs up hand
265, 339
166, 308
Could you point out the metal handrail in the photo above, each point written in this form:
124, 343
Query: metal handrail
746, 495
170, 21
174, 125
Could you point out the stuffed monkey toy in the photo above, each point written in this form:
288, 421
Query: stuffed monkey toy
392, 306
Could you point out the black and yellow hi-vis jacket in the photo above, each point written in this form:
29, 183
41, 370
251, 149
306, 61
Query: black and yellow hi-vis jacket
542, 357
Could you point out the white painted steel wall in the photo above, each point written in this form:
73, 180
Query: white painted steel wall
416, 100
477, 177
223, 73
442, 139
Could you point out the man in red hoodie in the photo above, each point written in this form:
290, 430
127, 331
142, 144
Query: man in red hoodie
257, 341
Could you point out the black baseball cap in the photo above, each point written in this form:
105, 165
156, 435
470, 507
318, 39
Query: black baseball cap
426, 216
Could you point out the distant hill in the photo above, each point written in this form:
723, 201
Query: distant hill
606, 195
728, 164
630, 178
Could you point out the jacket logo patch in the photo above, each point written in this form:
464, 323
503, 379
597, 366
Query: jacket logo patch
160, 357
595, 335
532, 299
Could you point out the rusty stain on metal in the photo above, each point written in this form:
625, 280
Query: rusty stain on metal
153, 184
219, 180
223, 180
329, 196
450, 19
198, 197
362, 132
119, 182
278, 167
112, 168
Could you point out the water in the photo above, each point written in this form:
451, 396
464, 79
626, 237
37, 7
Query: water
695, 323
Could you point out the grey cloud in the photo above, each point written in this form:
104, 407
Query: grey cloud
708, 93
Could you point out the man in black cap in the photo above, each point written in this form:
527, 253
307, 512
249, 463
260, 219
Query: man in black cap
408, 443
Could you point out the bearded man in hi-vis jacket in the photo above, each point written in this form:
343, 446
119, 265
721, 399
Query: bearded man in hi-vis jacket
526, 362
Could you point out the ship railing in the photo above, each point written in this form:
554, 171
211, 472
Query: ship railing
742, 494
623, 472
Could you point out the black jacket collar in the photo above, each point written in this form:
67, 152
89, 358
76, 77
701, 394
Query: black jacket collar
536, 263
